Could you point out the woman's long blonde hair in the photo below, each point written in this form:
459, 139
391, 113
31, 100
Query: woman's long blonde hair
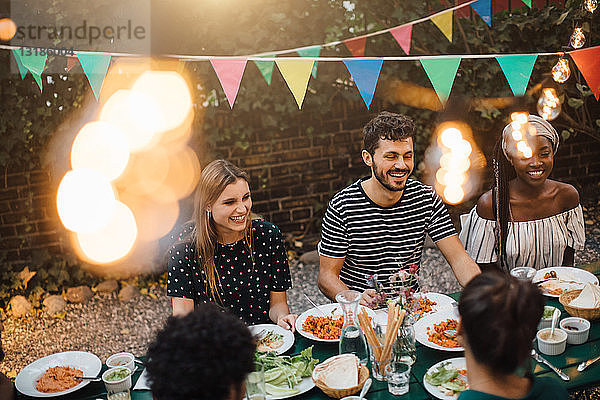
214, 179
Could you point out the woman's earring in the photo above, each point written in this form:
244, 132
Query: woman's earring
208, 214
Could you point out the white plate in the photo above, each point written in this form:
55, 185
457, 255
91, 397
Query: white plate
327, 309
26, 380
428, 322
458, 363
304, 386
288, 336
567, 273
443, 302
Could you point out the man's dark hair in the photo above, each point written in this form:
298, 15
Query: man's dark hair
202, 355
386, 126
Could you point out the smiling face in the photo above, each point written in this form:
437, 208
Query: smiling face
392, 163
536, 169
231, 210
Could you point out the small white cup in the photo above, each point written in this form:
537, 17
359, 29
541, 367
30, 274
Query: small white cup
552, 347
123, 359
578, 329
547, 322
119, 385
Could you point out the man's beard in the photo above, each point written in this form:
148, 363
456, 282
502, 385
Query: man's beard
381, 177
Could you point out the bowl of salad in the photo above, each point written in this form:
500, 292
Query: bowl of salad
117, 379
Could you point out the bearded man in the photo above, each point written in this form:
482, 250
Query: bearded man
378, 224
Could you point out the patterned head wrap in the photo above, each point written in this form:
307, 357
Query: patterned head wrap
542, 128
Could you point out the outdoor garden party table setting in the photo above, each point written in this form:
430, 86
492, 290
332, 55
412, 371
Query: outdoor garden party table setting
426, 357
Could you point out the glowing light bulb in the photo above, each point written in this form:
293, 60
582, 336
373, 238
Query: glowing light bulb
548, 105
577, 38
590, 5
561, 71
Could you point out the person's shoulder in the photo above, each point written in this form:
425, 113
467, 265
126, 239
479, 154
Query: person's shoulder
484, 206
547, 388
347, 194
265, 227
567, 195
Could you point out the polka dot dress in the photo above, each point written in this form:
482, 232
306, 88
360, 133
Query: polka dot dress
245, 286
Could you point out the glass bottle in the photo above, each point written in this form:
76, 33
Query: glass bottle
352, 339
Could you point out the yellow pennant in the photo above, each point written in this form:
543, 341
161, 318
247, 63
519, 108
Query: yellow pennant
444, 23
296, 74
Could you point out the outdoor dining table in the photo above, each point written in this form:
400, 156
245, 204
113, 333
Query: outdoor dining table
426, 357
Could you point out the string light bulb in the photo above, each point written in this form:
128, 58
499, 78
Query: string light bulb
561, 71
548, 105
577, 38
590, 5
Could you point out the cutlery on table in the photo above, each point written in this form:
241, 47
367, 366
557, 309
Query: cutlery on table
541, 359
314, 305
89, 378
587, 363
555, 316
365, 389
260, 334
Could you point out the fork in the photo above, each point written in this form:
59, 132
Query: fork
260, 334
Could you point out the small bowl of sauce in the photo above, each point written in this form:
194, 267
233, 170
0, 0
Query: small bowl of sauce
577, 329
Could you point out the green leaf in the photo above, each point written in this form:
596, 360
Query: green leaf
575, 102
565, 134
562, 17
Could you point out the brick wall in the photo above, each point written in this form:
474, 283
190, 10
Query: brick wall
293, 174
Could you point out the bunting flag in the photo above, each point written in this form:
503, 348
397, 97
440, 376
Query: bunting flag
296, 74
527, 3
356, 46
95, 67
33, 63
517, 69
365, 74
230, 72
444, 23
484, 9
403, 34
71, 62
587, 63
22, 70
311, 52
441, 73
266, 69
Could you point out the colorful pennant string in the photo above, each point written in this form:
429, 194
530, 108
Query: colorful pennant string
403, 34
484, 9
95, 67
365, 74
444, 23
517, 70
441, 73
230, 74
356, 46
296, 74
266, 69
587, 62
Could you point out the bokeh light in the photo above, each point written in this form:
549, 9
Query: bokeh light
454, 194
169, 90
8, 29
113, 241
102, 147
85, 200
548, 105
138, 116
154, 219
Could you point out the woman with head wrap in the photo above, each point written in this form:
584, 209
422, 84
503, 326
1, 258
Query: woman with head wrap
526, 219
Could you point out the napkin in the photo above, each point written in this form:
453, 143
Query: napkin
142, 382
588, 298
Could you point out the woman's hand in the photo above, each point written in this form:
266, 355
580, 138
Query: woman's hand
287, 321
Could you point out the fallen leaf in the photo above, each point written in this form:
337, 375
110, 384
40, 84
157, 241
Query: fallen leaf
152, 295
144, 291
25, 276
125, 331
60, 315
12, 374
589, 222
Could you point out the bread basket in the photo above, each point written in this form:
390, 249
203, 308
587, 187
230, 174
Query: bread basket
363, 375
588, 313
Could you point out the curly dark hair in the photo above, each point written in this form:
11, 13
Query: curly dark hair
203, 355
386, 126
499, 315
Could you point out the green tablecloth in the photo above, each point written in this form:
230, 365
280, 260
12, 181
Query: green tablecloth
426, 357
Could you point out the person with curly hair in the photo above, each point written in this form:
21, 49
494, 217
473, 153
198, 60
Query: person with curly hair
499, 315
378, 224
204, 355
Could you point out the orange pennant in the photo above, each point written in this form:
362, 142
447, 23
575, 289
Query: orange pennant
587, 63
356, 46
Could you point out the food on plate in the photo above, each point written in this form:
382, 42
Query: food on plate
550, 274
271, 341
57, 379
338, 372
588, 298
420, 306
284, 373
548, 311
438, 337
553, 287
118, 374
324, 327
449, 380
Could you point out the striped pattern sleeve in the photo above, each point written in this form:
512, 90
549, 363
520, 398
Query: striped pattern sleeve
477, 235
576, 228
334, 235
440, 226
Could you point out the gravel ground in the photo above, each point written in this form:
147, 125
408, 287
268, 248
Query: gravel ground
106, 325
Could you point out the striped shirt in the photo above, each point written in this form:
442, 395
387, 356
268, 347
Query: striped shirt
381, 240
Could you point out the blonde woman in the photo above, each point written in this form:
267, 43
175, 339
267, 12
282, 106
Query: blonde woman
227, 258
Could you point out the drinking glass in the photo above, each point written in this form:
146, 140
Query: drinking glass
378, 363
397, 374
255, 384
405, 346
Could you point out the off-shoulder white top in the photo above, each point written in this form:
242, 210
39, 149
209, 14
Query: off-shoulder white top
538, 243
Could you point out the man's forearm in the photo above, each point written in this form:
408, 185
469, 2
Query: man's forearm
467, 271
330, 285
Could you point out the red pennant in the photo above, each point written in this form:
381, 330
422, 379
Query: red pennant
71, 62
356, 46
588, 65
402, 34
